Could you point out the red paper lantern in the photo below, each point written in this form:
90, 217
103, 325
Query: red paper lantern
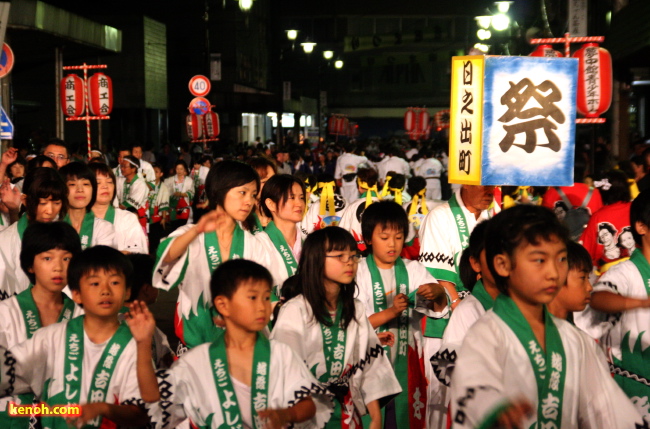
100, 94
338, 125
409, 119
211, 124
72, 95
441, 119
545, 51
194, 126
423, 121
594, 80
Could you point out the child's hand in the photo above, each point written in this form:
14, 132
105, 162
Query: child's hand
386, 338
9, 156
513, 416
275, 419
141, 322
431, 291
400, 303
88, 412
10, 196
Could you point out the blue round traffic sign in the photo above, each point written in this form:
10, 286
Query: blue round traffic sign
200, 106
6, 60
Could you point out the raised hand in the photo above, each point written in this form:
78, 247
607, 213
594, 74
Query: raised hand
141, 322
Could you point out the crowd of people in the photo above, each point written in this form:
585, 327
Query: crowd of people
337, 286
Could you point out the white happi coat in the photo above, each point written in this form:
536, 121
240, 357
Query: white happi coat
351, 219
129, 235
12, 278
42, 358
415, 222
348, 163
191, 272
138, 193
278, 268
372, 378
493, 367
188, 389
431, 169
314, 221
103, 233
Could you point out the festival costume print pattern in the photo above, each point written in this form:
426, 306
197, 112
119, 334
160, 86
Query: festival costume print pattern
313, 220
129, 235
19, 322
191, 274
351, 217
186, 392
12, 278
406, 355
494, 367
627, 337
180, 208
56, 366
366, 375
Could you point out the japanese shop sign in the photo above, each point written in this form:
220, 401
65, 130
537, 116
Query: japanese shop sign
512, 120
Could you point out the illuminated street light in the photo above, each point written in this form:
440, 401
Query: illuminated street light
292, 34
245, 5
503, 6
328, 55
338, 64
500, 22
483, 21
482, 47
308, 47
483, 34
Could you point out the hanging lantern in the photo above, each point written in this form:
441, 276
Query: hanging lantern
100, 94
194, 126
353, 130
409, 119
72, 95
423, 122
211, 124
594, 80
344, 127
337, 125
441, 119
545, 51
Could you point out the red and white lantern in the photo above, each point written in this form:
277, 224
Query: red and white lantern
409, 119
594, 80
423, 121
211, 125
72, 95
194, 126
545, 51
100, 94
416, 122
441, 119
338, 125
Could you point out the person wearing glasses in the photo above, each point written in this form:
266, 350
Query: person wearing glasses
58, 151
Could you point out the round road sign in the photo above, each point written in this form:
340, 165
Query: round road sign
199, 106
6, 60
199, 86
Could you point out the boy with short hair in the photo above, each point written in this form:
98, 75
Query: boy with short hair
575, 294
89, 359
46, 252
519, 366
390, 287
253, 380
623, 294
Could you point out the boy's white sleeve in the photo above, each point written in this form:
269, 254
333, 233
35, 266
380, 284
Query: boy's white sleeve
129, 390
418, 276
167, 275
174, 398
25, 366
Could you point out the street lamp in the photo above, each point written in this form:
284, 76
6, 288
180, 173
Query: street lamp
292, 34
308, 46
245, 5
328, 55
338, 64
500, 22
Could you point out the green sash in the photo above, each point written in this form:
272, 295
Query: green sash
260, 387
22, 226
212, 251
549, 367
110, 214
334, 347
126, 191
258, 224
461, 222
483, 297
402, 408
284, 250
641, 263
73, 366
86, 231
29, 311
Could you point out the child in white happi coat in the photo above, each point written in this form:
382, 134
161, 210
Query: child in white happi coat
328, 328
255, 383
391, 288
519, 366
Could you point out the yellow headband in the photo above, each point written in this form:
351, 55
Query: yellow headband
369, 191
423, 201
327, 198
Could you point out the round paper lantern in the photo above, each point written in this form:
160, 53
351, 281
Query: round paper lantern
72, 95
545, 51
211, 124
594, 80
194, 126
100, 94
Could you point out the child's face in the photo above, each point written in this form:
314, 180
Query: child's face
293, 207
50, 269
80, 192
249, 308
338, 271
387, 243
577, 293
240, 201
102, 293
47, 209
536, 272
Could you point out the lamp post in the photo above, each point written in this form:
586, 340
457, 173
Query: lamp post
495, 29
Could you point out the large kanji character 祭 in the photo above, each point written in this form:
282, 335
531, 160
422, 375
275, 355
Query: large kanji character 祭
516, 99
